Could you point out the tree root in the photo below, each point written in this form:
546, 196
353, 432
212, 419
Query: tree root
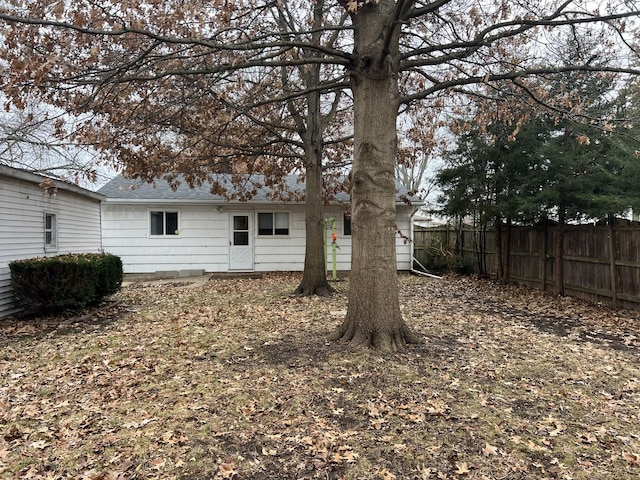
382, 340
321, 290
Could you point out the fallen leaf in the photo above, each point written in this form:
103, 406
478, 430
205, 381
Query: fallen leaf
437, 408
350, 457
40, 444
269, 451
489, 450
462, 468
588, 438
386, 474
227, 469
377, 422
631, 458
93, 474
535, 447
374, 410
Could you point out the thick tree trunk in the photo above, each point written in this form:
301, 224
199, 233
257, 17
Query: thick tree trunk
373, 315
314, 277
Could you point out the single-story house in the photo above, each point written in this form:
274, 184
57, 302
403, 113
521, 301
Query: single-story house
40, 216
154, 228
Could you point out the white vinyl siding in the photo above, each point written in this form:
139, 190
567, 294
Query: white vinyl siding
203, 243
205, 237
282, 252
404, 247
23, 205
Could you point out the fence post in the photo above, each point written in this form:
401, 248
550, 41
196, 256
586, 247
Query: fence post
544, 255
612, 260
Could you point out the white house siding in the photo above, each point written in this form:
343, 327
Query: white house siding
343, 254
404, 249
203, 243
281, 253
22, 207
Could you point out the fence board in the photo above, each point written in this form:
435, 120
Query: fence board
601, 264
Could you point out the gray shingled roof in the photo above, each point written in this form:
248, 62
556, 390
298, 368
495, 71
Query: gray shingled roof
124, 189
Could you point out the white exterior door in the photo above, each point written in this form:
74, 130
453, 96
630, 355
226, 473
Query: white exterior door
241, 241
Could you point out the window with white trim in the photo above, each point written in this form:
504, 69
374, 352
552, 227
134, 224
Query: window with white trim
50, 232
273, 223
163, 223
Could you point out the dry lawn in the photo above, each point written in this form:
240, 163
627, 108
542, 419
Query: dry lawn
235, 379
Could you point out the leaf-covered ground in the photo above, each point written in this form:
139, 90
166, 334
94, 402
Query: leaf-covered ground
235, 379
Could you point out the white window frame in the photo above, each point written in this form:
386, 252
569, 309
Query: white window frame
50, 246
274, 224
164, 212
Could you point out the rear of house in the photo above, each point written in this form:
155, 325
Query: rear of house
157, 229
42, 217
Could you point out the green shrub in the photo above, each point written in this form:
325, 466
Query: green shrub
64, 283
109, 275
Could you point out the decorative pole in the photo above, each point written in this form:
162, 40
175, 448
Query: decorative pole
334, 244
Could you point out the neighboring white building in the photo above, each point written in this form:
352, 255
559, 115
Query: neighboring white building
155, 229
42, 219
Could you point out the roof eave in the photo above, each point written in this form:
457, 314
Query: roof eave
37, 179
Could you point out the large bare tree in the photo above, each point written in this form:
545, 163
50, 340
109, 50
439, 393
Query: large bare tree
320, 124
108, 59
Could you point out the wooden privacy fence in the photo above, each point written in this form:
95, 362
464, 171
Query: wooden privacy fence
601, 263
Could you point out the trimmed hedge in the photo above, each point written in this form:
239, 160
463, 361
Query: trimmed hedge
70, 282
